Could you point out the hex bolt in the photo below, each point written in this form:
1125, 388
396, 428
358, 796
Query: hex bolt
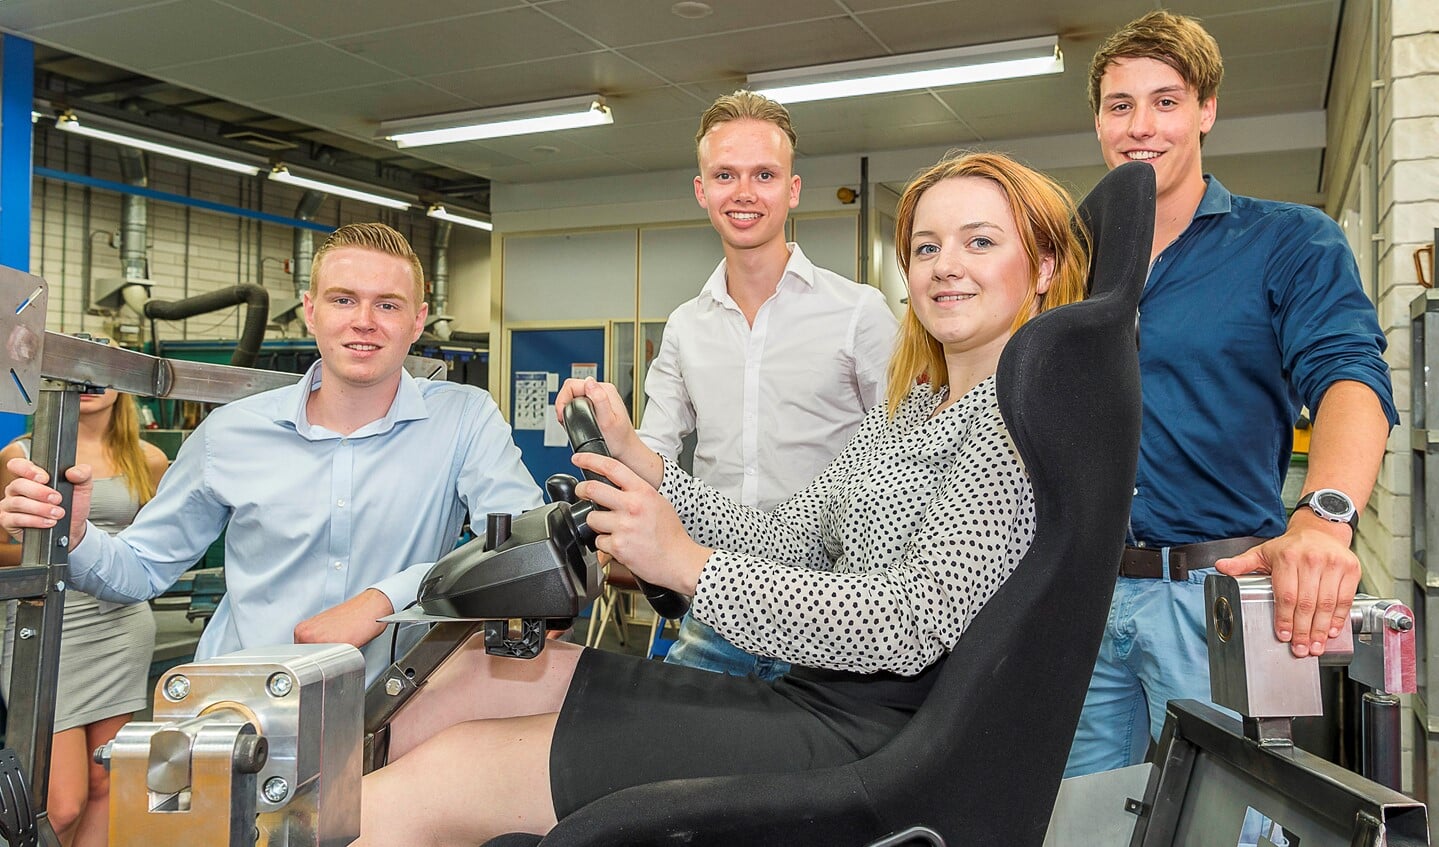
177, 687
1398, 621
280, 684
60, 585
276, 789
62, 541
393, 686
26, 632
102, 754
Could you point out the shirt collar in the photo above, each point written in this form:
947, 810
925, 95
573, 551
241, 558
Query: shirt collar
1216, 200
408, 405
798, 267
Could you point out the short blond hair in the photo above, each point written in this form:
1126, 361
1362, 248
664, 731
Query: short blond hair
371, 236
1178, 41
746, 104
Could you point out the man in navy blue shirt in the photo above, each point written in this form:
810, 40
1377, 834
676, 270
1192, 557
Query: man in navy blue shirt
1253, 309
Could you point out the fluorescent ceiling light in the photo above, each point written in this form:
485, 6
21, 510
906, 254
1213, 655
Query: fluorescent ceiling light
439, 213
500, 121
69, 123
934, 69
282, 174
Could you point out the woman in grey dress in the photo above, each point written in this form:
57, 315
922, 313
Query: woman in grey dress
105, 649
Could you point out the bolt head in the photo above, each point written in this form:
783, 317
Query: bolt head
177, 687
27, 632
276, 789
280, 684
393, 687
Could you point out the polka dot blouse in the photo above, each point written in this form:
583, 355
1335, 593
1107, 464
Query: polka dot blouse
883, 560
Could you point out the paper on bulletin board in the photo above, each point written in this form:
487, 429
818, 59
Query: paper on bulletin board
584, 370
531, 398
554, 431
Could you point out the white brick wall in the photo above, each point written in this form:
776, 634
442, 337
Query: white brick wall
192, 251
1408, 211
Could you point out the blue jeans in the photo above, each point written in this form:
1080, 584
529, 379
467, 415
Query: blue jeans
1154, 650
699, 646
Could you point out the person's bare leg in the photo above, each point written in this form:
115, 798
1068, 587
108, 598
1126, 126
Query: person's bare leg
94, 827
473, 685
65, 799
469, 783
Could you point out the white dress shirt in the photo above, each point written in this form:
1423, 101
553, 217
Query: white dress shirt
772, 403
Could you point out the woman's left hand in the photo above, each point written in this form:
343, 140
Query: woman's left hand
640, 527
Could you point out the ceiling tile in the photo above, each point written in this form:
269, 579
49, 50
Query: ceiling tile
1294, 27
363, 107
648, 139
648, 21
172, 33
876, 111
476, 41
752, 51
941, 26
325, 19
28, 15
659, 70
568, 76
306, 68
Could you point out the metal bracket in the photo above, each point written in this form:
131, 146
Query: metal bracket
23, 298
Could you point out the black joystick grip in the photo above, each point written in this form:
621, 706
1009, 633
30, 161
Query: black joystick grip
585, 437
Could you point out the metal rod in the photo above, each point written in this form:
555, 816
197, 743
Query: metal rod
1380, 757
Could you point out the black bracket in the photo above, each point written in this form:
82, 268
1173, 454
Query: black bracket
500, 640
17, 817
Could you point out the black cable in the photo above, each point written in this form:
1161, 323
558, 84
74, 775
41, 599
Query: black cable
395, 632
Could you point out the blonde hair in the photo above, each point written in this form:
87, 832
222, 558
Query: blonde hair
122, 445
1179, 41
746, 104
1045, 216
371, 236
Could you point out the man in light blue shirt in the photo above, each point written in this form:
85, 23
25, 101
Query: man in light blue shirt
339, 492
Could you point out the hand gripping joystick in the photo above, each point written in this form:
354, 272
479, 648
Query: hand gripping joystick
585, 437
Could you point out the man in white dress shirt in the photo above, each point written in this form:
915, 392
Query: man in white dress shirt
775, 363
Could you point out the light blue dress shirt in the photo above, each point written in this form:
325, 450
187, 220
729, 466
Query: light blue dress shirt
314, 517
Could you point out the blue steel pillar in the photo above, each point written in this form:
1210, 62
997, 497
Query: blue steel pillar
17, 94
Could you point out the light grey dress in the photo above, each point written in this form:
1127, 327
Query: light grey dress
105, 649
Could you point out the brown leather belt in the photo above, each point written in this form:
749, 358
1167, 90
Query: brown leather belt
1148, 562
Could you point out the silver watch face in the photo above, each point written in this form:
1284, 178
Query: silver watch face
1329, 503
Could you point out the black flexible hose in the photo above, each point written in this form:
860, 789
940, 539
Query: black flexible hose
257, 314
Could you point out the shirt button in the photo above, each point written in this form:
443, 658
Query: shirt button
339, 566
749, 471
341, 502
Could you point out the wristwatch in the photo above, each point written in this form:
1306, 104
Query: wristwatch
1331, 505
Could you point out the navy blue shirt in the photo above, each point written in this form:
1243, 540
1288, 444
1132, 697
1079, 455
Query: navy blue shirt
1251, 314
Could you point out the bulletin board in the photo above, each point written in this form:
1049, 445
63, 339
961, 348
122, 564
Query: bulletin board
540, 360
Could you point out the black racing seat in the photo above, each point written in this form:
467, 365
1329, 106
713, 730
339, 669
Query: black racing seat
981, 761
